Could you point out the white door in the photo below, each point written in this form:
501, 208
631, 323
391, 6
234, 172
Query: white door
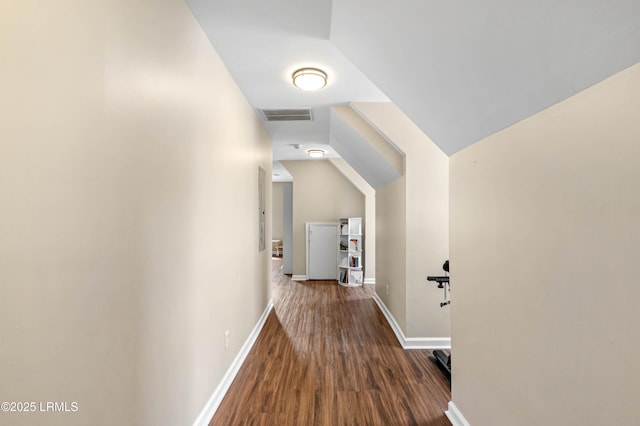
322, 258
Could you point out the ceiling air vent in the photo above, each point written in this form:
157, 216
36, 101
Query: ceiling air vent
300, 114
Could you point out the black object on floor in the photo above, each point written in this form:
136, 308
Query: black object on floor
439, 357
443, 361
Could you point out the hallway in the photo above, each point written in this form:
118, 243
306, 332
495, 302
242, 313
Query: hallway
327, 356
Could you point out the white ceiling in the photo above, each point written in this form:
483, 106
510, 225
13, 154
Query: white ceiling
463, 70
460, 70
263, 43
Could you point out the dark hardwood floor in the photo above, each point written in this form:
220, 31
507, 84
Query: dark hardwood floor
327, 356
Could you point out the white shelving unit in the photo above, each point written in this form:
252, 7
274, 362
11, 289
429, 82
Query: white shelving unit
350, 249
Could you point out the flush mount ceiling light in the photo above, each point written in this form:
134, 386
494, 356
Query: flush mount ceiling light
315, 153
309, 79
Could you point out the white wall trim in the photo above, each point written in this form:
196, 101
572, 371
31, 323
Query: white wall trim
218, 394
455, 416
390, 319
411, 342
299, 278
370, 281
427, 342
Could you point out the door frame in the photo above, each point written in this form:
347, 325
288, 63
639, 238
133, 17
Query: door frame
307, 226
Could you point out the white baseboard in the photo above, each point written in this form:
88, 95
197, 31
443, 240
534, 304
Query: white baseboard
390, 319
427, 342
411, 342
299, 278
370, 281
455, 416
218, 394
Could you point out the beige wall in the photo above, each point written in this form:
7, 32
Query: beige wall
545, 236
425, 200
129, 223
391, 248
320, 194
277, 204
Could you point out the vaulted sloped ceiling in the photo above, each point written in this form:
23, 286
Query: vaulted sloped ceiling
364, 148
463, 70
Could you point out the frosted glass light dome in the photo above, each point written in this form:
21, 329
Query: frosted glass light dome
315, 153
309, 79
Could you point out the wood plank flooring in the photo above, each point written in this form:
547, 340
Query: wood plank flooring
327, 356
